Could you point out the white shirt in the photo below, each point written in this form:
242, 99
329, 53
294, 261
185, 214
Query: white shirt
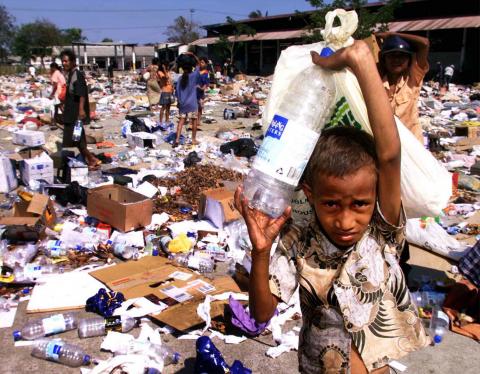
449, 71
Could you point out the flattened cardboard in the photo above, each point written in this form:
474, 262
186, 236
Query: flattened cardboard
39, 210
120, 207
217, 205
150, 274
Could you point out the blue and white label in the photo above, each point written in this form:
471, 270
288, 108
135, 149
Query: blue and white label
53, 349
54, 324
277, 126
285, 150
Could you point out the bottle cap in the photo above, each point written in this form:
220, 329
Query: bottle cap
326, 52
17, 335
437, 339
86, 360
176, 357
155, 252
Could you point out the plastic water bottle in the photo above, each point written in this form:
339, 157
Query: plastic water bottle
77, 131
127, 252
163, 241
289, 141
59, 351
98, 326
55, 324
168, 355
55, 248
438, 325
32, 271
203, 265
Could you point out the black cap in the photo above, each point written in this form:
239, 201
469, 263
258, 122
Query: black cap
395, 43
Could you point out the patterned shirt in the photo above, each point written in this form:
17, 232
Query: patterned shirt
356, 296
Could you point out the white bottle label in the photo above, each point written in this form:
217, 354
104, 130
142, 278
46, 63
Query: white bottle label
54, 324
286, 149
32, 271
443, 316
53, 349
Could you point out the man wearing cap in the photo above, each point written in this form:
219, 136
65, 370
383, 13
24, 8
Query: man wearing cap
403, 63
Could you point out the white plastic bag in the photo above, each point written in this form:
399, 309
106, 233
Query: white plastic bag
426, 185
433, 237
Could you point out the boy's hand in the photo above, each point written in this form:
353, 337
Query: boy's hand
349, 57
262, 229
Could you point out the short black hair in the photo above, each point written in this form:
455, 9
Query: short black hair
70, 54
155, 61
341, 151
54, 65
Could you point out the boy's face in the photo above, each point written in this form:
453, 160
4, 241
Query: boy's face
397, 62
344, 206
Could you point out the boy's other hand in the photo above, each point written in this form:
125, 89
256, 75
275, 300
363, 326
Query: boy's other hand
262, 228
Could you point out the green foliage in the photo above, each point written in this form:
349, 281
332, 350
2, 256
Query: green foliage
226, 44
368, 21
7, 31
182, 31
255, 14
36, 38
107, 40
72, 35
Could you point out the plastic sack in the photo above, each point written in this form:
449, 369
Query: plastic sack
426, 185
433, 237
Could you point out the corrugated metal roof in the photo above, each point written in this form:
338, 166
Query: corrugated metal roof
274, 35
436, 24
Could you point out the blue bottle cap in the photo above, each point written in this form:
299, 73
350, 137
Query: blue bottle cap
176, 357
26, 291
437, 339
86, 360
17, 335
326, 52
155, 252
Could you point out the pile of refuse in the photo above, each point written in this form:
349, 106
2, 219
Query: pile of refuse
154, 235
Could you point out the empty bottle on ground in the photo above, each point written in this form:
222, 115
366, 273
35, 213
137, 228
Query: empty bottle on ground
203, 265
168, 354
438, 325
59, 351
98, 326
77, 131
123, 250
289, 141
55, 324
55, 248
31, 272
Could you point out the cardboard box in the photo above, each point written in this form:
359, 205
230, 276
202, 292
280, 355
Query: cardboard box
8, 179
38, 210
120, 207
217, 205
471, 131
149, 275
142, 140
29, 138
37, 168
77, 174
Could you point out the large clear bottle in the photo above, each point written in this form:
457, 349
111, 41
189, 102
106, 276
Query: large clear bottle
98, 326
305, 108
59, 351
439, 324
55, 324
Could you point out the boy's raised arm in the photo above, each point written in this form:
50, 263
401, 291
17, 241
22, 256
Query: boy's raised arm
387, 142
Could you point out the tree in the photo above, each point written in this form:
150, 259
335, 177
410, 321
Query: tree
7, 31
107, 40
72, 35
229, 43
182, 31
255, 14
368, 21
36, 38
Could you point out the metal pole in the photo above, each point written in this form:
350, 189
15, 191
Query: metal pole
85, 56
133, 58
123, 57
462, 53
261, 56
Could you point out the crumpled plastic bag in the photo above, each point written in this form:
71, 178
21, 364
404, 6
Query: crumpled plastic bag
242, 319
433, 237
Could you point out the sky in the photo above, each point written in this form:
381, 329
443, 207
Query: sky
140, 21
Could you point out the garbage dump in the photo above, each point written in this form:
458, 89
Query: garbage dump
147, 254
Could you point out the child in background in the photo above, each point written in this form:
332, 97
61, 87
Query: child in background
357, 311
166, 96
202, 86
59, 89
186, 91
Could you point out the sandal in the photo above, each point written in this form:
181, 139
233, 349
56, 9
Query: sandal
174, 144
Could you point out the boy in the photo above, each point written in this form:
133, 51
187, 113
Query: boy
357, 311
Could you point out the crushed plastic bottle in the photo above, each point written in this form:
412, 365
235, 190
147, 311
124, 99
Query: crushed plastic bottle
20, 256
59, 351
32, 272
38, 328
97, 326
290, 141
202, 265
55, 248
127, 252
